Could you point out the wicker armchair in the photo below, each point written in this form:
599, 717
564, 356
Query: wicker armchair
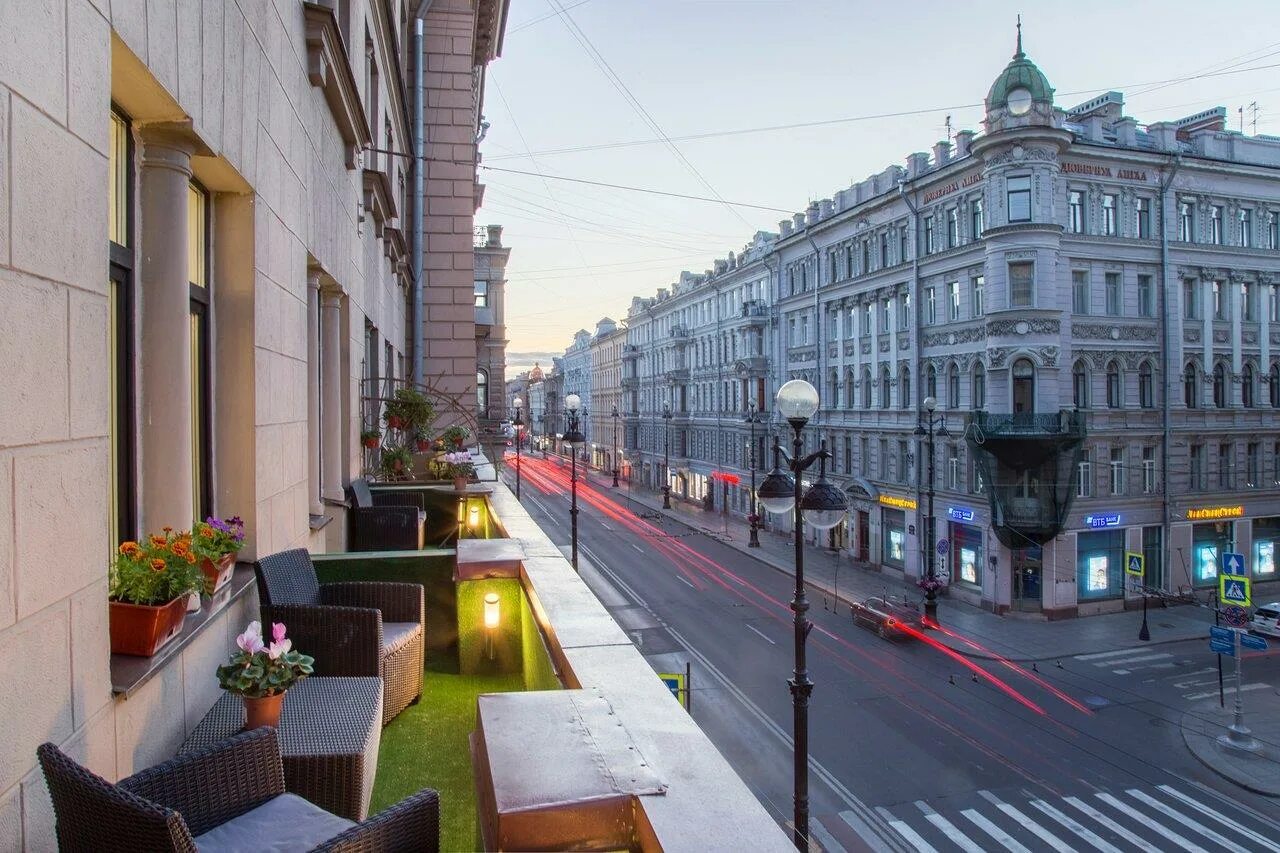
230, 796
351, 629
384, 522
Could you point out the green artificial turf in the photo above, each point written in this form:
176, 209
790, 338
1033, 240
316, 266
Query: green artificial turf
426, 747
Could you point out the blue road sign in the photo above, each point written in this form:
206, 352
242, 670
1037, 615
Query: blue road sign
1222, 648
1252, 641
1226, 635
1233, 564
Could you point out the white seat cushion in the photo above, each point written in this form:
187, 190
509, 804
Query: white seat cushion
284, 824
396, 634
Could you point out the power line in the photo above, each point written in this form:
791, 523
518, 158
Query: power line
637, 189
541, 18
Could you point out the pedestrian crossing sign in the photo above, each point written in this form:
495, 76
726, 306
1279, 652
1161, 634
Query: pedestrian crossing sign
1234, 589
1134, 564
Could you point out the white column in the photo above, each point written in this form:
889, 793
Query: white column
315, 507
331, 393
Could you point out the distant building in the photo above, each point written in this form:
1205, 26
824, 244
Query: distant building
606, 392
489, 287
576, 370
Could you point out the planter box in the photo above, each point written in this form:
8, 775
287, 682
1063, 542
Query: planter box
217, 574
143, 629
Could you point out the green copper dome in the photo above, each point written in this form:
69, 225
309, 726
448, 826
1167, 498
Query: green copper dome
1020, 73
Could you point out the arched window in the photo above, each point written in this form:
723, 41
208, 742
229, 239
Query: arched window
953, 386
866, 387
1246, 386
1080, 385
1274, 385
1115, 388
904, 387
1190, 395
931, 382
848, 389
1024, 387
1146, 386
833, 389
979, 386
482, 393
884, 387
1220, 385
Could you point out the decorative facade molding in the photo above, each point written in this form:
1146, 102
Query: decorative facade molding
1035, 326
329, 68
1106, 332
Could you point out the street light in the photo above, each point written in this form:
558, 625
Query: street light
517, 423
666, 457
571, 404
615, 446
931, 539
753, 517
825, 504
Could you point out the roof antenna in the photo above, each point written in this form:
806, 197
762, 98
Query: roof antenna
1019, 54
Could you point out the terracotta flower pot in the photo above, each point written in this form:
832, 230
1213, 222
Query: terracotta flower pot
423, 445
142, 629
395, 421
217, 574
460, 483
263, 711
372, 443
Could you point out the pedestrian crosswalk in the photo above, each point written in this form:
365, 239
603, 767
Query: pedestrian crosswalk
1192, 681
1152, 818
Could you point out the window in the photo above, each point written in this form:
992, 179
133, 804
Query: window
1273, 303
976, 486
931, 382
1195, 467
1115, 386
1117, 471
866, 319
886, 314
1273, 387
1018, 191
904, 313
884, 387
198, 269
1079, 292
1144, 218
1112, 280
866, 256
953, 387
482, 294
953, 468
1251, 469
1220, 386
1080, 385
1245, 223
120, 353
1021, 275
1247, 386
953, 300
1273, 230
1249, 301
1109, 214
1146, 295
884, 248
902, 245
1075, 211
1084, 487
1190, 299
1221, 301
903, 473
848, 261
1215, 224
866, 388
1024, 386
848, 454
953, 227
1146, 386
975, 213
1190, 392
931, 306
1225, 465
904, 387
482, 393
1153, 556
831, 256
928, 235
886, 468
1186, 221
848, 389
1148, 470
979, 386
975, 295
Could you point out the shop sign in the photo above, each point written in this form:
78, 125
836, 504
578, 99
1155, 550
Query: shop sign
947, 189
959, 513
1097, 171
1213, 513
897, 502
1108, 520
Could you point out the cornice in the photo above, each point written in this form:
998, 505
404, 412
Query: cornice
329, 68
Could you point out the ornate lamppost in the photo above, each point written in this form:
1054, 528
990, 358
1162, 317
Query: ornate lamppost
925, 428
825, 504
518, 422
615, 446
666, 457
753, 516
573, 437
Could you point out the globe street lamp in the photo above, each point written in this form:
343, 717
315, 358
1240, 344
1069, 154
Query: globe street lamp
666, 457
925, 427
573, 437
518, 422
753, 512
825, 504
615, 446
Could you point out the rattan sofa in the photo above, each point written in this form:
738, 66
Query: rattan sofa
228, 797
384, 522
352, 628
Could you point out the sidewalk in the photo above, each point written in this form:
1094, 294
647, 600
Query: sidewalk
1259, 772
990, 636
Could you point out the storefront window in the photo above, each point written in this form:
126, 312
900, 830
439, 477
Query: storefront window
895, 537
1266, 532
966, 553
1208, 543
1100, 564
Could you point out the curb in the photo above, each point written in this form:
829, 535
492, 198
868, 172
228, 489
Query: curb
1206, 755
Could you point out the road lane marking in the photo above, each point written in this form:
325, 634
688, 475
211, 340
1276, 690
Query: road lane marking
1190, 824
685, 581
1111, 824
1255, 686
1071, 824
1143, 819
1031, 826
1136, 659
913, 837
757, 632
1100, 655
1208, 812
637, 547
826, 839
953, 834
1003, 838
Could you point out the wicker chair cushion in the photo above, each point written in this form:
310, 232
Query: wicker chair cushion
395, 635
283, 824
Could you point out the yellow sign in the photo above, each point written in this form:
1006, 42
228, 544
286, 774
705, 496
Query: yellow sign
897, 502
1134, 564
675, 683
1234, 589
1215, 512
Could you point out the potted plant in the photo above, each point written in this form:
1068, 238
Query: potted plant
409, 409
454, 436
148, 587
397, 463
459, 467
370, 438
260, 674
421, 441
216, 542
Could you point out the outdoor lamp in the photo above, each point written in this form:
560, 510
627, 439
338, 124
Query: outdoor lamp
797, 401
518, 403
824, 504
473, 516
490, 620
777, 492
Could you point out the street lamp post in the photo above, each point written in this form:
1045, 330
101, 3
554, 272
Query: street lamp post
666, 457
753, 519
797, 402
546, 425
574, 437
615, 446
925, 427
518, 422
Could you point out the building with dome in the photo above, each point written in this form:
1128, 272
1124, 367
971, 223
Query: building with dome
1092, 305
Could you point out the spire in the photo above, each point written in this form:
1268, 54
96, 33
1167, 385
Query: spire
1019, 54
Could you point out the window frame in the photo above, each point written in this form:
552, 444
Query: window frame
201, 307
1031, 284
1019, 193
122, 301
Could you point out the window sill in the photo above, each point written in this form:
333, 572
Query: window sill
129, 672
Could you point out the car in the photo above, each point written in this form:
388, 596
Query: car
886, 617
1266, 620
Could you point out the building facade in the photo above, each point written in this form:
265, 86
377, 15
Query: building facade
490, 289
575, 370
606, 395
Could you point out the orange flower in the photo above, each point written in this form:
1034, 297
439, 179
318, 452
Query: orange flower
157, 565
129, 549
158, 541
167, 529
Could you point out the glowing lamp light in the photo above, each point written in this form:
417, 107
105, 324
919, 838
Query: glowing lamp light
491, 612
573, 402
797, 400
473, 516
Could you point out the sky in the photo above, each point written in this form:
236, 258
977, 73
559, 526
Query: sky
586, 89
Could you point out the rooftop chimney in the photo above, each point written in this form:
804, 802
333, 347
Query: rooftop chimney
942, 153
917, 164
964, 138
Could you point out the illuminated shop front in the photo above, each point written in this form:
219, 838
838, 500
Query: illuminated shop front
1100, 564
966, 547
1212, 535
1266, 534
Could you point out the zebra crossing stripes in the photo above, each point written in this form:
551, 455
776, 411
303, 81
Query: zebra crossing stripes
1194, 685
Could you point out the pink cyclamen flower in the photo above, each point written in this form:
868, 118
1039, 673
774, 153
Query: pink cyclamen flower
251, 640
277, 631
276, 649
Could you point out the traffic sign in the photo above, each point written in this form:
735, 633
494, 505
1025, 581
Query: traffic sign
1253, 641
943, 546
1222, 648
1232, 563
1234, 588
1237, 617
1134, 564
1226, 635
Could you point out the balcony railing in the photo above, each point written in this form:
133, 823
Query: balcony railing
1065, 422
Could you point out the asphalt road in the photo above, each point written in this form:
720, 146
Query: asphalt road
911, 747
